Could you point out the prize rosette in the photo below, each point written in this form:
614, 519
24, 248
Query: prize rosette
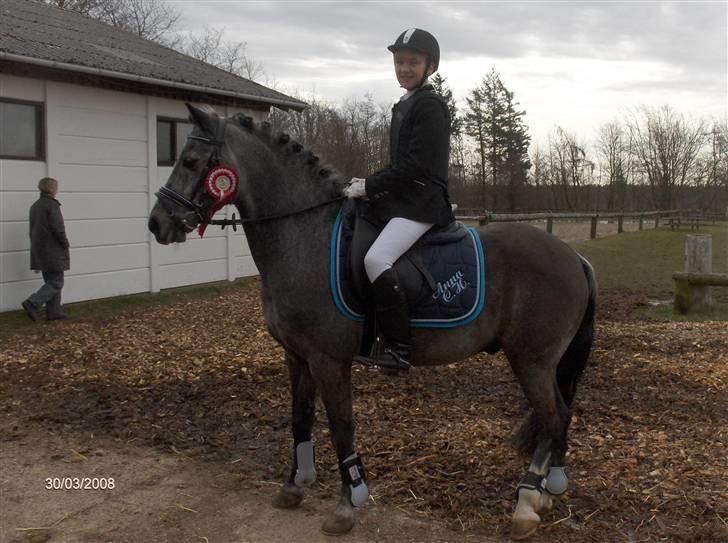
222, 185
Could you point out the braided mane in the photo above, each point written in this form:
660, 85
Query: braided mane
282, 144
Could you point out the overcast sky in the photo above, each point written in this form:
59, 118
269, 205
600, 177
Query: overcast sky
575, 64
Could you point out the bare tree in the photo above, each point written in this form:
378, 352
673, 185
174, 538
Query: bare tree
154, 20
718, 160
667, 147
85, 7
539, 171
354, 137
569, 166
158, 21
210, 46
613, 150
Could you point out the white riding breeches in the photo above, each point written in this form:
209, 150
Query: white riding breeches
397, 237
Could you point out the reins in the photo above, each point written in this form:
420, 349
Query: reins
171, 195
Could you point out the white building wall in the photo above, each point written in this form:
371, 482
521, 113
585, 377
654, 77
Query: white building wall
101, 146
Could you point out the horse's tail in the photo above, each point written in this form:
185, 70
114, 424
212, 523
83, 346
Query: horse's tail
574, 360
572, 363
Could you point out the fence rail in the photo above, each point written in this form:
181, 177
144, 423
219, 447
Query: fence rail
674, 216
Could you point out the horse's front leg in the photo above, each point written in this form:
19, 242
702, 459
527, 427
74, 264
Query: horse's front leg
333, 378
303, 471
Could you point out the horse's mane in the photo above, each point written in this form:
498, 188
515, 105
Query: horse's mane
282, 144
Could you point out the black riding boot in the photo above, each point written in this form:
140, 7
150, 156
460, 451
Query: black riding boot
392, 314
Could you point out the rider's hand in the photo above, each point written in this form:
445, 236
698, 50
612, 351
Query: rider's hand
356, 188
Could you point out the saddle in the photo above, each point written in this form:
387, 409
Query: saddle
442, 275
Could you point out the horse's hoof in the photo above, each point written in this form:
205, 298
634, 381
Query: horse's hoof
289, 497
525, 518
524, 526
338, 524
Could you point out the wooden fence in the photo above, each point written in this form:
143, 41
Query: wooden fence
672, 218
686, 282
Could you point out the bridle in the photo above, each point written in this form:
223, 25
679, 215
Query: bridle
168, 195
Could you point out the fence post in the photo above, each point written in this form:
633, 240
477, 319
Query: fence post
641, 221
699, 259
550, 225
657, 221
682, 295
620, 224
593, 233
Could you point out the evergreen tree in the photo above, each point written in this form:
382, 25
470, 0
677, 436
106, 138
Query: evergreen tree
501, 137
476, 126
439, 83
457, 148
517, 161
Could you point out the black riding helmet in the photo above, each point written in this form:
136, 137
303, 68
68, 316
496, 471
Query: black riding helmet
421, 41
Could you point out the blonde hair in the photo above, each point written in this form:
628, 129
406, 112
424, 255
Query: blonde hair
48, 185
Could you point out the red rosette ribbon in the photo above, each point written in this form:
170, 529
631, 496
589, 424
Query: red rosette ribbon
221, 183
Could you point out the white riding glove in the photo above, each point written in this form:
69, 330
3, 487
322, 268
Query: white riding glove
356, 188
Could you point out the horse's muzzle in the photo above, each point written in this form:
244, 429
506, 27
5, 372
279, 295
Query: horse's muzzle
167, 229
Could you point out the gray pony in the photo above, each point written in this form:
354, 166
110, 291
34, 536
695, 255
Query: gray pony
540, 307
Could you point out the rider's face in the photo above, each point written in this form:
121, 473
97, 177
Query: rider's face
409, 66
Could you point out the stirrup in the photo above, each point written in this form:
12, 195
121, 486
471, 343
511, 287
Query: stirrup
391, 362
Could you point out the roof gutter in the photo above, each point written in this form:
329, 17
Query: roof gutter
149, 80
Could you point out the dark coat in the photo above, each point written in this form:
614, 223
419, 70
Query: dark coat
414, 185
48, 241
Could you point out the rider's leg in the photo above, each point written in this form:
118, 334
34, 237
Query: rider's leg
392, 312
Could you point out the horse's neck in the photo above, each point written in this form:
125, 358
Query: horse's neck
290, 252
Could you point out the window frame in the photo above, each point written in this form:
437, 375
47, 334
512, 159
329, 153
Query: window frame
172, 138
41, 151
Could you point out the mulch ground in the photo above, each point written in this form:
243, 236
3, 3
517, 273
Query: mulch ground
647, 459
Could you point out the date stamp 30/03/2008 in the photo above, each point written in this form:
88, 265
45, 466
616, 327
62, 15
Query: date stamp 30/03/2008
80, 483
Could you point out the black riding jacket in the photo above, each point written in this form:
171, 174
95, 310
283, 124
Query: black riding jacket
414, 185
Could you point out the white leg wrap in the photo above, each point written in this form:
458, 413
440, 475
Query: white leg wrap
557, 481
306, 470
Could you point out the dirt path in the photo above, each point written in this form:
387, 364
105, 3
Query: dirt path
165, 497
191, 419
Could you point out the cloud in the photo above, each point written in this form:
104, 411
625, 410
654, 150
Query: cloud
566, 56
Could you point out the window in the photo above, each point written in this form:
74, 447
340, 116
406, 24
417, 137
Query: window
171, 139
22, 130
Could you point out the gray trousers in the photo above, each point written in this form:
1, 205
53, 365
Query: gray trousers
49, 294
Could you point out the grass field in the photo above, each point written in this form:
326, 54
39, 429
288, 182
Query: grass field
643, 262
639, 262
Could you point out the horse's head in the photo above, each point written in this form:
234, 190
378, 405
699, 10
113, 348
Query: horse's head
240, 162
204, 179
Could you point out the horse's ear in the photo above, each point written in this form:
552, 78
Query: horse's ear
204, 118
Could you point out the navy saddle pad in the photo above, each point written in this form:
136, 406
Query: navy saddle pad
453, 295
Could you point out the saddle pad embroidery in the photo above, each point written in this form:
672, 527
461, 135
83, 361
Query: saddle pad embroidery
458, 269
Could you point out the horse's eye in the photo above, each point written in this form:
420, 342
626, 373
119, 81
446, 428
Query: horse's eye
189, 162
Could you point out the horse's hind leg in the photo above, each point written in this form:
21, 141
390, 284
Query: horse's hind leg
303, 472
549, 423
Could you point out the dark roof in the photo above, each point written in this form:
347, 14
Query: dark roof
39, 32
